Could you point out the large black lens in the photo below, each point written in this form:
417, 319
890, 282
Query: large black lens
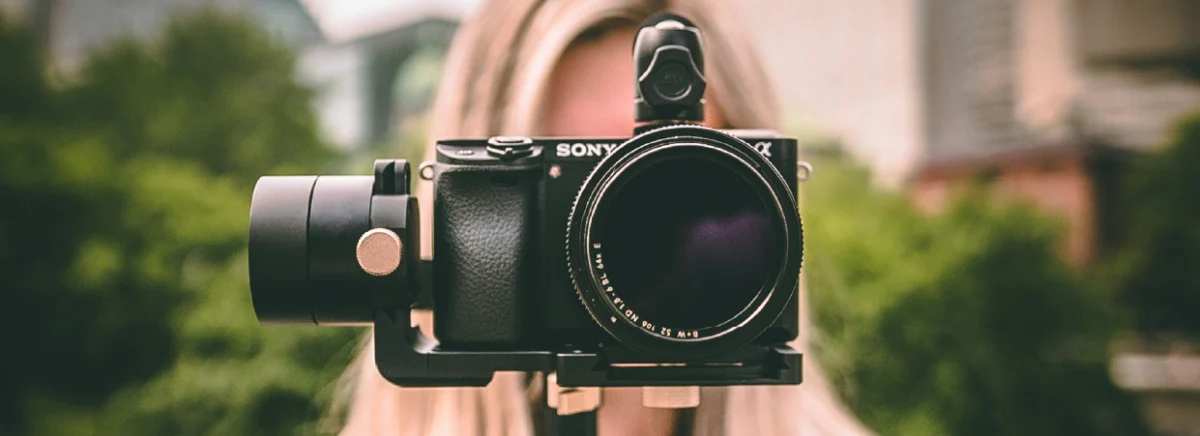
684, 243
688, 243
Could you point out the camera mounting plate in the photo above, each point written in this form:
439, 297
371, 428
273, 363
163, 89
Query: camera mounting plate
405, 357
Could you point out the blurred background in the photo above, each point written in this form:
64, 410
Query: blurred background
1003, 230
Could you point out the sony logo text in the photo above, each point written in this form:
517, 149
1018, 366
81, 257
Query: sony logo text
596, 149
581, 149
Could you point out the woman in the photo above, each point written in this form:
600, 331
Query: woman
564, 68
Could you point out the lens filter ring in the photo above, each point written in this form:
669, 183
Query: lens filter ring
684, 243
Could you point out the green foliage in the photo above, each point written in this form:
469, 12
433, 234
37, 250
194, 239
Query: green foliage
1156, 271
126, 194
961, 323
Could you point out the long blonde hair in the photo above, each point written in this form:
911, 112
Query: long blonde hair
494, 84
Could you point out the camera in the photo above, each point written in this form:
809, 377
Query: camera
669, 258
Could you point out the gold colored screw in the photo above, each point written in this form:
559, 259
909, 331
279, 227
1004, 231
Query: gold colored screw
379, 252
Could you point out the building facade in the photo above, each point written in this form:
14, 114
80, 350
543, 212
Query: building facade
1042, 100
1044, 97
1046, 101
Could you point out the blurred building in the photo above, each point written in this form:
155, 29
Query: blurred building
1043, 100
377, 65
1046, 97
905, 82
848, 70
372, 62
1041, 96
1047, 101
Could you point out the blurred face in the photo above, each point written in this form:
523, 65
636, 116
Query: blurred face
591, 89
591, 94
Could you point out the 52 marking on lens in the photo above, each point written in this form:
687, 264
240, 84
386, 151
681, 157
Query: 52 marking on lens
629, 313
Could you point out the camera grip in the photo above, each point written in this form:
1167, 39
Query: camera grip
485, 242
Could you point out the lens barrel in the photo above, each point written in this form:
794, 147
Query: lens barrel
278, 250
685, 243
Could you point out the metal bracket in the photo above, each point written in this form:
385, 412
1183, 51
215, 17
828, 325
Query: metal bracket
570, 401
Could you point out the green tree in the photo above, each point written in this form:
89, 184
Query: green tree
961, 323
1156, 269
126, 194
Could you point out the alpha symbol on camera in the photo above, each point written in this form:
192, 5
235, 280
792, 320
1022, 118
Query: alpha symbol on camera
763, 148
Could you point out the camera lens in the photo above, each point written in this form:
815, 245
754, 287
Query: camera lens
684, 243
688, 243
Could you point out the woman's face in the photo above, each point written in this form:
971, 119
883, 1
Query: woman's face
591, 89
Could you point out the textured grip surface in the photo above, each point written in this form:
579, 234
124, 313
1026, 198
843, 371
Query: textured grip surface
485, 240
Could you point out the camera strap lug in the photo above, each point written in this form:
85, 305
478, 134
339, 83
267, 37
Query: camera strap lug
804, 171
425, 171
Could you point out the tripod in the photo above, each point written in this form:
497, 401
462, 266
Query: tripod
568, 411
580, 424
572, 411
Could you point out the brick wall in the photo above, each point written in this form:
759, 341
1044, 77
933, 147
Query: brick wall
1057, 180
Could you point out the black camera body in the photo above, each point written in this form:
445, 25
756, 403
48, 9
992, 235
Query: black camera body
669, 258
502, 206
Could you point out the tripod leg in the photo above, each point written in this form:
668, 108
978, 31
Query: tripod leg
579, 424
569, 411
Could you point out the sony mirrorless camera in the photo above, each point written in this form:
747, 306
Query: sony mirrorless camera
670, 258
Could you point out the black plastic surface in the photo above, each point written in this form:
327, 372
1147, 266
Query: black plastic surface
392, 177
669, 75
340, 214
400, 214
407, 358
278, 250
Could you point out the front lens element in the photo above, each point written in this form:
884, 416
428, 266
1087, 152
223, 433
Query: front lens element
687, 243
684, 243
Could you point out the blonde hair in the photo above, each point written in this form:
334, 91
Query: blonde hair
494, 84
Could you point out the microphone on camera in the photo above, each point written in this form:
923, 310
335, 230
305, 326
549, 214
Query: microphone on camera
669, 76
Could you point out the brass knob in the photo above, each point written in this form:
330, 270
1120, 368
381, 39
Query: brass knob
379, 252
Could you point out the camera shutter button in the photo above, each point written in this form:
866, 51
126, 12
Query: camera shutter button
509, 147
